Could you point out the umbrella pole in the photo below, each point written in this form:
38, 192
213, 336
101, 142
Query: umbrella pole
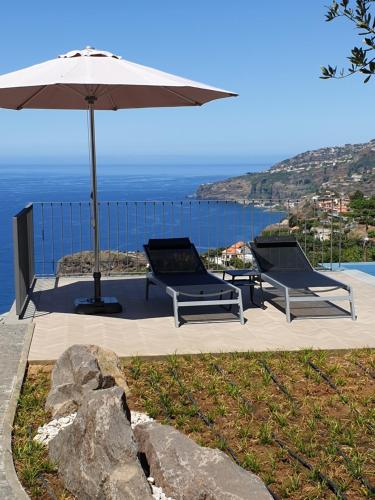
94, 201
97, 304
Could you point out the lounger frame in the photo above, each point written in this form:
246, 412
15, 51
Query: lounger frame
313, 297
234, 300
217, 298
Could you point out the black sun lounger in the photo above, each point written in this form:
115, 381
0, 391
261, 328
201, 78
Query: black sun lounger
284, 265
177, 268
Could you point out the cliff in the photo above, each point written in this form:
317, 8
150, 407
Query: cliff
340, 170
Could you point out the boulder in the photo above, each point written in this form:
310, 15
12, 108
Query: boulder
110, 262
80, 369
64, 400
97, 454
187, 471
109, 365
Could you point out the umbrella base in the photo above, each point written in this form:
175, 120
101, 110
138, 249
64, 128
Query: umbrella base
106, 305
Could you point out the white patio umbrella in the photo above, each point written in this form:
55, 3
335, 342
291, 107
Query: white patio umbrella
91, 80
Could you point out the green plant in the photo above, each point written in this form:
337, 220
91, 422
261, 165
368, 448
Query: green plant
266, 377
136, 367
245, 432
232, 390
154, 377
251, 462
221, 410
173, 361
150, 408
244, 408
31, 457
265, 433
221, 444
291, 484
195, 427
281, 418
181, 421
212, 389
311, 423
167, 403
360, 58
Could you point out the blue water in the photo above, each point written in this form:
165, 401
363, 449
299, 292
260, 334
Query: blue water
365, 267
20, 185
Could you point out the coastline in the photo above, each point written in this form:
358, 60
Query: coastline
20, 184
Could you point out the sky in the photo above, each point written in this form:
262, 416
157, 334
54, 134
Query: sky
270, 53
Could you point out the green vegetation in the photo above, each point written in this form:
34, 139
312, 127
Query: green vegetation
362, 209
343, 249
324, 235
359, 13
251, 419
35, 471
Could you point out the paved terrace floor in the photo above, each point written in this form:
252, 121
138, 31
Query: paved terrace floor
147, 328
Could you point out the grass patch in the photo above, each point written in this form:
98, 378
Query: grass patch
36, 472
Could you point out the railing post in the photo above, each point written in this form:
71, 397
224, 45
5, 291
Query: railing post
314, 233
331, 249
340, 232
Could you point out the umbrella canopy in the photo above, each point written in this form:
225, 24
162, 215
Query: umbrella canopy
67, 81
99, 80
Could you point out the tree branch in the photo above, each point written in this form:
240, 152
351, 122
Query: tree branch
364, 20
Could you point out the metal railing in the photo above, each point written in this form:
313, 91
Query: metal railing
23, 241
63, 237
64, 230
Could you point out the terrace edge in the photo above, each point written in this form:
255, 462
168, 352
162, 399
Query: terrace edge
9, 471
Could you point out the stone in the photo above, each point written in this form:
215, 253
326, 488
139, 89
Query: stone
48, 431
187, 471
158, 494
109, 365
80, 369
138, 417
96, 455
64, 399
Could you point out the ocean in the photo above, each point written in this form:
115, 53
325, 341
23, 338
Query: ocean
21, 184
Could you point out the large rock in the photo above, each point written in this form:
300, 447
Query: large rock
80, 369
187, 471
110, 262
97, 454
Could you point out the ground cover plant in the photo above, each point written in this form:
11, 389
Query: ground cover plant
303, 421
35, 471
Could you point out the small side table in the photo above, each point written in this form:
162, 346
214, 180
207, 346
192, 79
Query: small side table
247, 277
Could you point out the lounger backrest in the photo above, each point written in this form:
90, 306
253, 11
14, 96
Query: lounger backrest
279, 254
173, 256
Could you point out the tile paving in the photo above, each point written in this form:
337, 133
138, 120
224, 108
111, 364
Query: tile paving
147, 329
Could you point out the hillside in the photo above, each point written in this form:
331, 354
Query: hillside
339, 169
